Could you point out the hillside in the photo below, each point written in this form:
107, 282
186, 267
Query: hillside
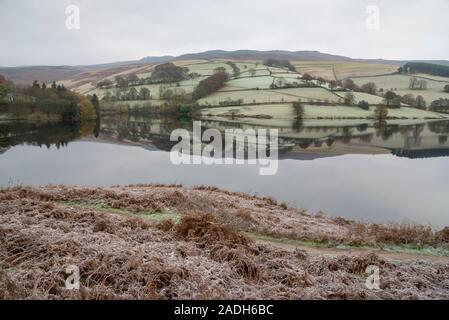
252, 89
27, 74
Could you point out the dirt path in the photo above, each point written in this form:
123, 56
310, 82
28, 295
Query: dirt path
333, 252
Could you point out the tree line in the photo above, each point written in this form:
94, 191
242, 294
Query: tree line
423, 67
49, 100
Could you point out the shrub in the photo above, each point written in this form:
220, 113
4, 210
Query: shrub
363, 105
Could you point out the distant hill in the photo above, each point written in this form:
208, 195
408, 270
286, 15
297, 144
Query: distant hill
26, 75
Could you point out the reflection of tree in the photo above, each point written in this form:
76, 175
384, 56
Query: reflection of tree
43, 134
384, 131
363, 127
439, 126
442, 139
366, 138
305, 144
298, 125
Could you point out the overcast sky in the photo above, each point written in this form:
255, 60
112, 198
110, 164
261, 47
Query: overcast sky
33, 32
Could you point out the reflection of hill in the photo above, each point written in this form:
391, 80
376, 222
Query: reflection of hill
303, 140
306, 140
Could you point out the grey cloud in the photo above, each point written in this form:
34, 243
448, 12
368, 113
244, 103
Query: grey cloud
33, 32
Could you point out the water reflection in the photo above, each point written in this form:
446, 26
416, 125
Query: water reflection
297, 140
130, 150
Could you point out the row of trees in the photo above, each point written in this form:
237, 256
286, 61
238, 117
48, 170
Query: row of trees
210, 85
163, 73
423, 67
278, 63
131, 94
440, 105
53, 100
417, 84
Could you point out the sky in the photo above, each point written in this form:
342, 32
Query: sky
34, 32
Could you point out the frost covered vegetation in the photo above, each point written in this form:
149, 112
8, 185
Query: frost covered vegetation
169, 242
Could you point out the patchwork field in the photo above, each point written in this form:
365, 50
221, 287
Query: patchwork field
339, 70
400, 85
270, 96
254, 85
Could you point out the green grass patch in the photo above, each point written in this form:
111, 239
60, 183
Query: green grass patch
156, 216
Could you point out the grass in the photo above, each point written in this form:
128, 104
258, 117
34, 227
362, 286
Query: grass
270, 96
207, 69
331, 70
156, 216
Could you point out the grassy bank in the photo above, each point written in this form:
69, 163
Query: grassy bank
169, 242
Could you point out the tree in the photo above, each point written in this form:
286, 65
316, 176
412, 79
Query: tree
363, 105
219, 69
168, 94
370, 88
408, 99
144, 93
307, 77
36, 85
381, 113
333, 84
321, 81
276, 63
53, 85
421, 103
440, 105
446, 88
104, 84
416, 84
210, 84
133, 79
349, 99
430, 68
121, 82
4, 90
349, 84
252, 72
422, 84
389, 97
168, 72
133, 94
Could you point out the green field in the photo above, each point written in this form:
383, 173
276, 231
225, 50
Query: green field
400, 85
270, 96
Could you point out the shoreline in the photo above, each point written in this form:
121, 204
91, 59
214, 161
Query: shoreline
234, 237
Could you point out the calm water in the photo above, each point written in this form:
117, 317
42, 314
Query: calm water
353, 169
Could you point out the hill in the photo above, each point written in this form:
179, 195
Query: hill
27, 74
